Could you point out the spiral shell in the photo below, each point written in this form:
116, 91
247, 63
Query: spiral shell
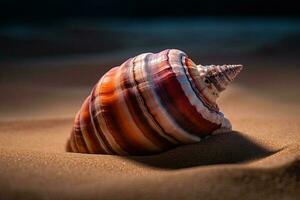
151, 103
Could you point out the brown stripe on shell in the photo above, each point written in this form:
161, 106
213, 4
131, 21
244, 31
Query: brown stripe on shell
72, 142
112, 116
77, 136
144, 90
73, 145
87, 129
152, 104
177, 104
95, 116
136, 136
134, 101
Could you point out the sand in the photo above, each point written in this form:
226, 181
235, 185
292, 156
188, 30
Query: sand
259, 159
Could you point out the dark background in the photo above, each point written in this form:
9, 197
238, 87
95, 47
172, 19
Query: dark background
59, 9
41, 36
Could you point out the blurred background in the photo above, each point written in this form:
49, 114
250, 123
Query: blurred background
59, 44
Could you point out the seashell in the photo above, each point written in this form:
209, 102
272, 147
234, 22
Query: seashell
152, 103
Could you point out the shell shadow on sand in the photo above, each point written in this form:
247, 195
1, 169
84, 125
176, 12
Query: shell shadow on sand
224, 148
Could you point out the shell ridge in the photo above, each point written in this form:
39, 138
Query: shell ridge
168, 89
78, 138
137, 138
162, 116
85, 129
202, 110
98, 118
197, 124
72, 143
98, 133
142, 103
75, 127
118, 118
104, 125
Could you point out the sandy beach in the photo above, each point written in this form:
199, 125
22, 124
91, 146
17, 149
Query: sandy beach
259, 159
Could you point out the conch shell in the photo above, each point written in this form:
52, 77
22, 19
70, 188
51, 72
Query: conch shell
151, 103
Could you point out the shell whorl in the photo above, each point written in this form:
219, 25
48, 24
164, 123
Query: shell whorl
149, 104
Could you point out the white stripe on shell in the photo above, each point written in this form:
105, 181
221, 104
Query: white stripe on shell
188, 90
84, 132
103, 146
101, 120
122, 107
141, 78
158, 111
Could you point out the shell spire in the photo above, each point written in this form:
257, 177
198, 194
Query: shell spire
222, 75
